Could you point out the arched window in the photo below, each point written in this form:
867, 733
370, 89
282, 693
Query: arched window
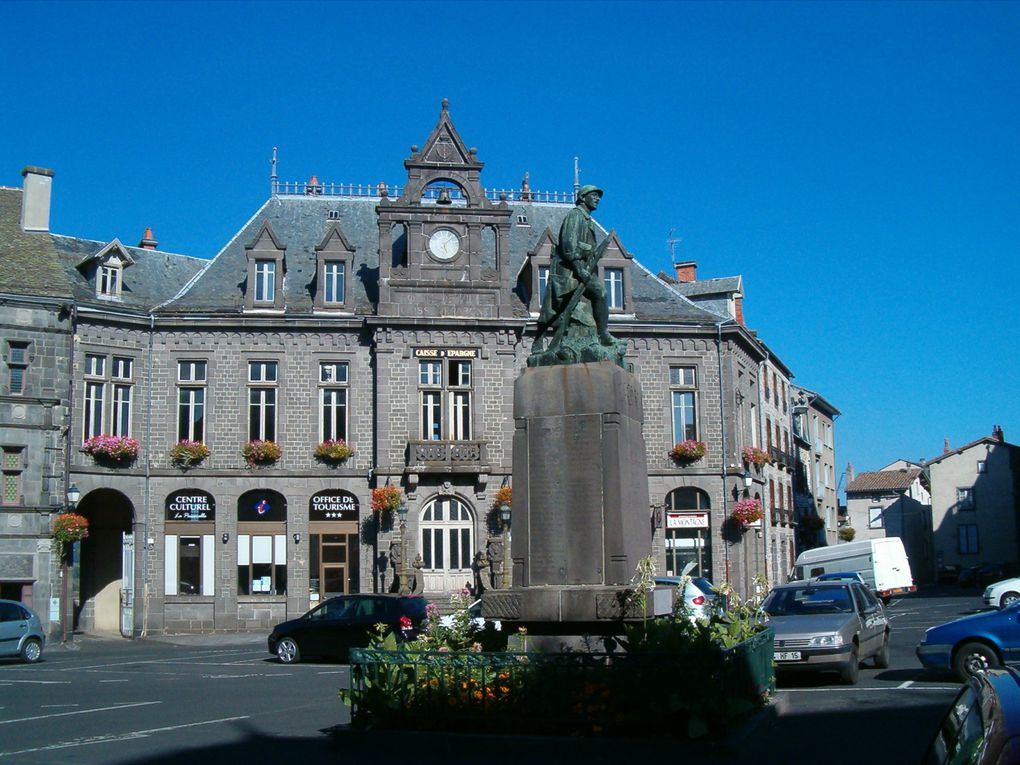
447, 544
688, 532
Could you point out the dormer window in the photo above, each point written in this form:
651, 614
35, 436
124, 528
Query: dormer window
109, 281
266, 269
334, 258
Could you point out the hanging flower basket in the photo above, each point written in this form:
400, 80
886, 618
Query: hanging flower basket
504, 496
69, 528
386, 499
116, 449
755, 456
261, 452
186, 453
812, 523
747, 511
687, 451
334, 451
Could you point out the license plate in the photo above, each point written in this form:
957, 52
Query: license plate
787, 655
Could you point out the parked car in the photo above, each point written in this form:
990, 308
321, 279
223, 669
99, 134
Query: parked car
344, 622
948, 573
976, 576
1002, 594
973, 643
21, 632
699, 594
827, 626
982, 725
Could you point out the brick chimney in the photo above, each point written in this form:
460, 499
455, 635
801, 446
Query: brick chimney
945, 446
35, 199
148, 243
738, 309
997, 433
849, 473
687, 271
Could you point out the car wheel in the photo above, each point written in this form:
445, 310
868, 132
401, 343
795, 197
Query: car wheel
31, 651
882, 657
852, 669
972, 658
1009, 599
287, 651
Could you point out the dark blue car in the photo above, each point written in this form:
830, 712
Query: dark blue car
974, 643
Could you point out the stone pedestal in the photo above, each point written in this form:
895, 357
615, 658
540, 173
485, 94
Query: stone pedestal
580, 510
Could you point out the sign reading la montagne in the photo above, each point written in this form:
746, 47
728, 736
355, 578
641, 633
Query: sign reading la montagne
333, 505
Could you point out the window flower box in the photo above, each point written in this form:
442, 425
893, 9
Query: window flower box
755, 456
69, 528
687, 451
747, 511
386, 499
118, 450
186, 453
334, 451
261, 452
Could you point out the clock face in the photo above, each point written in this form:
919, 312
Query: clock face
444, 244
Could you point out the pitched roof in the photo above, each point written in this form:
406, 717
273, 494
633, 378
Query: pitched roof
883, 480
28, 261
979, 442
722, 285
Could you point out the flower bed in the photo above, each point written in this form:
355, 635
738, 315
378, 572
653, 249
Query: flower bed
115, 449
187, 453
687, 451
386, 499
748, 511
755, 456
334, 451
261, 452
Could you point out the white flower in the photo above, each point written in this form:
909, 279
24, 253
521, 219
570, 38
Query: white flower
497, 625
446, 621
478, 623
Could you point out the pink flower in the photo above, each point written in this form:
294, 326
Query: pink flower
405, 623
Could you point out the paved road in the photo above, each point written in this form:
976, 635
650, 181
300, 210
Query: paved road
223, 699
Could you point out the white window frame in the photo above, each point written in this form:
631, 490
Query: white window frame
683, 383
192, 380
171, 569
108, 280
263, 546
612, 280
334, 282
263, 378
456, 395
876, 517
265, 281
543, 282
334, 400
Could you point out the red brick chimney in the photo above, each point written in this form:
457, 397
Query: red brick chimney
148, 243
997, 434
738, 309
687, 271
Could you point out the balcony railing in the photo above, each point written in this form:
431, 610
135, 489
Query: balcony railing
443, 455
455, 195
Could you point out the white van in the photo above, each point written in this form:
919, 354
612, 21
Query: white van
882, 564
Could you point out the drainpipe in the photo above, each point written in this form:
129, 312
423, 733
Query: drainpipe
766, 526
65, 606
147, 492
722, 429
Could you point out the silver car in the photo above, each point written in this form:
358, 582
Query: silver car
827, 626
21, 632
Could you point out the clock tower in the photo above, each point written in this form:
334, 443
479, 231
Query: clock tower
443, 246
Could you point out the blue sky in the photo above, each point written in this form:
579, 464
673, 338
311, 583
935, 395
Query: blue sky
857, 162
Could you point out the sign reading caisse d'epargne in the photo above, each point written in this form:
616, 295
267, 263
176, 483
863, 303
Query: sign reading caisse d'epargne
190, 505
446, 353
333, 505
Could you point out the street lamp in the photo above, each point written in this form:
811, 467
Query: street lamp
504, 520
73, 495
405, 588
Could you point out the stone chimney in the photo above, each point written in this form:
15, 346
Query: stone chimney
687, 271
945, 446
849, 473
148, 243
35, 199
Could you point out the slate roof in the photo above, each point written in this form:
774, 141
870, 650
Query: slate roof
723, 285
28, 262
883, 481
300, 223
154, 278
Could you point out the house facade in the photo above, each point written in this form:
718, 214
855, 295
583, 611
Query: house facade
975, 501
815, 482
392, 318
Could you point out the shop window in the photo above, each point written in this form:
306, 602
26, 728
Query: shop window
190, 559
261, 543
688, 532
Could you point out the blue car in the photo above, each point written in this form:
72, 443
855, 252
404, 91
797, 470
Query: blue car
974, 643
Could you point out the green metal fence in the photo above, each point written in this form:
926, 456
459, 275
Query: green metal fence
623, 693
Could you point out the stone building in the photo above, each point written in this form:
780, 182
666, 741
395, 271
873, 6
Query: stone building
815, 482
394, 318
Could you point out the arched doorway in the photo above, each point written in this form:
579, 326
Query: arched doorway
447, 544
106, 555
688, 531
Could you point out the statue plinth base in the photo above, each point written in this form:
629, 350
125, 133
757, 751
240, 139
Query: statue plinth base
580, 512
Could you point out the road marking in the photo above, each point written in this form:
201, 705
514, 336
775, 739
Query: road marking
906, 684
81, 712
890, 688
124, 680
56, 706
39, 682
120, 736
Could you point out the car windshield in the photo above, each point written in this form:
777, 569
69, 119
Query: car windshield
809, 600
332, 609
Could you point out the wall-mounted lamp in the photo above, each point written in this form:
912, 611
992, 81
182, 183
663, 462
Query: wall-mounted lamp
504, 514
297, 537
225, 537
748, 478
73, 495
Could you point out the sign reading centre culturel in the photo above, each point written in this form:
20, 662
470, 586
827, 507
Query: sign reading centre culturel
190, 505
333, 505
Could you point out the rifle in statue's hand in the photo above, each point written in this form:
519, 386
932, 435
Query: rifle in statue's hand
575, 298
